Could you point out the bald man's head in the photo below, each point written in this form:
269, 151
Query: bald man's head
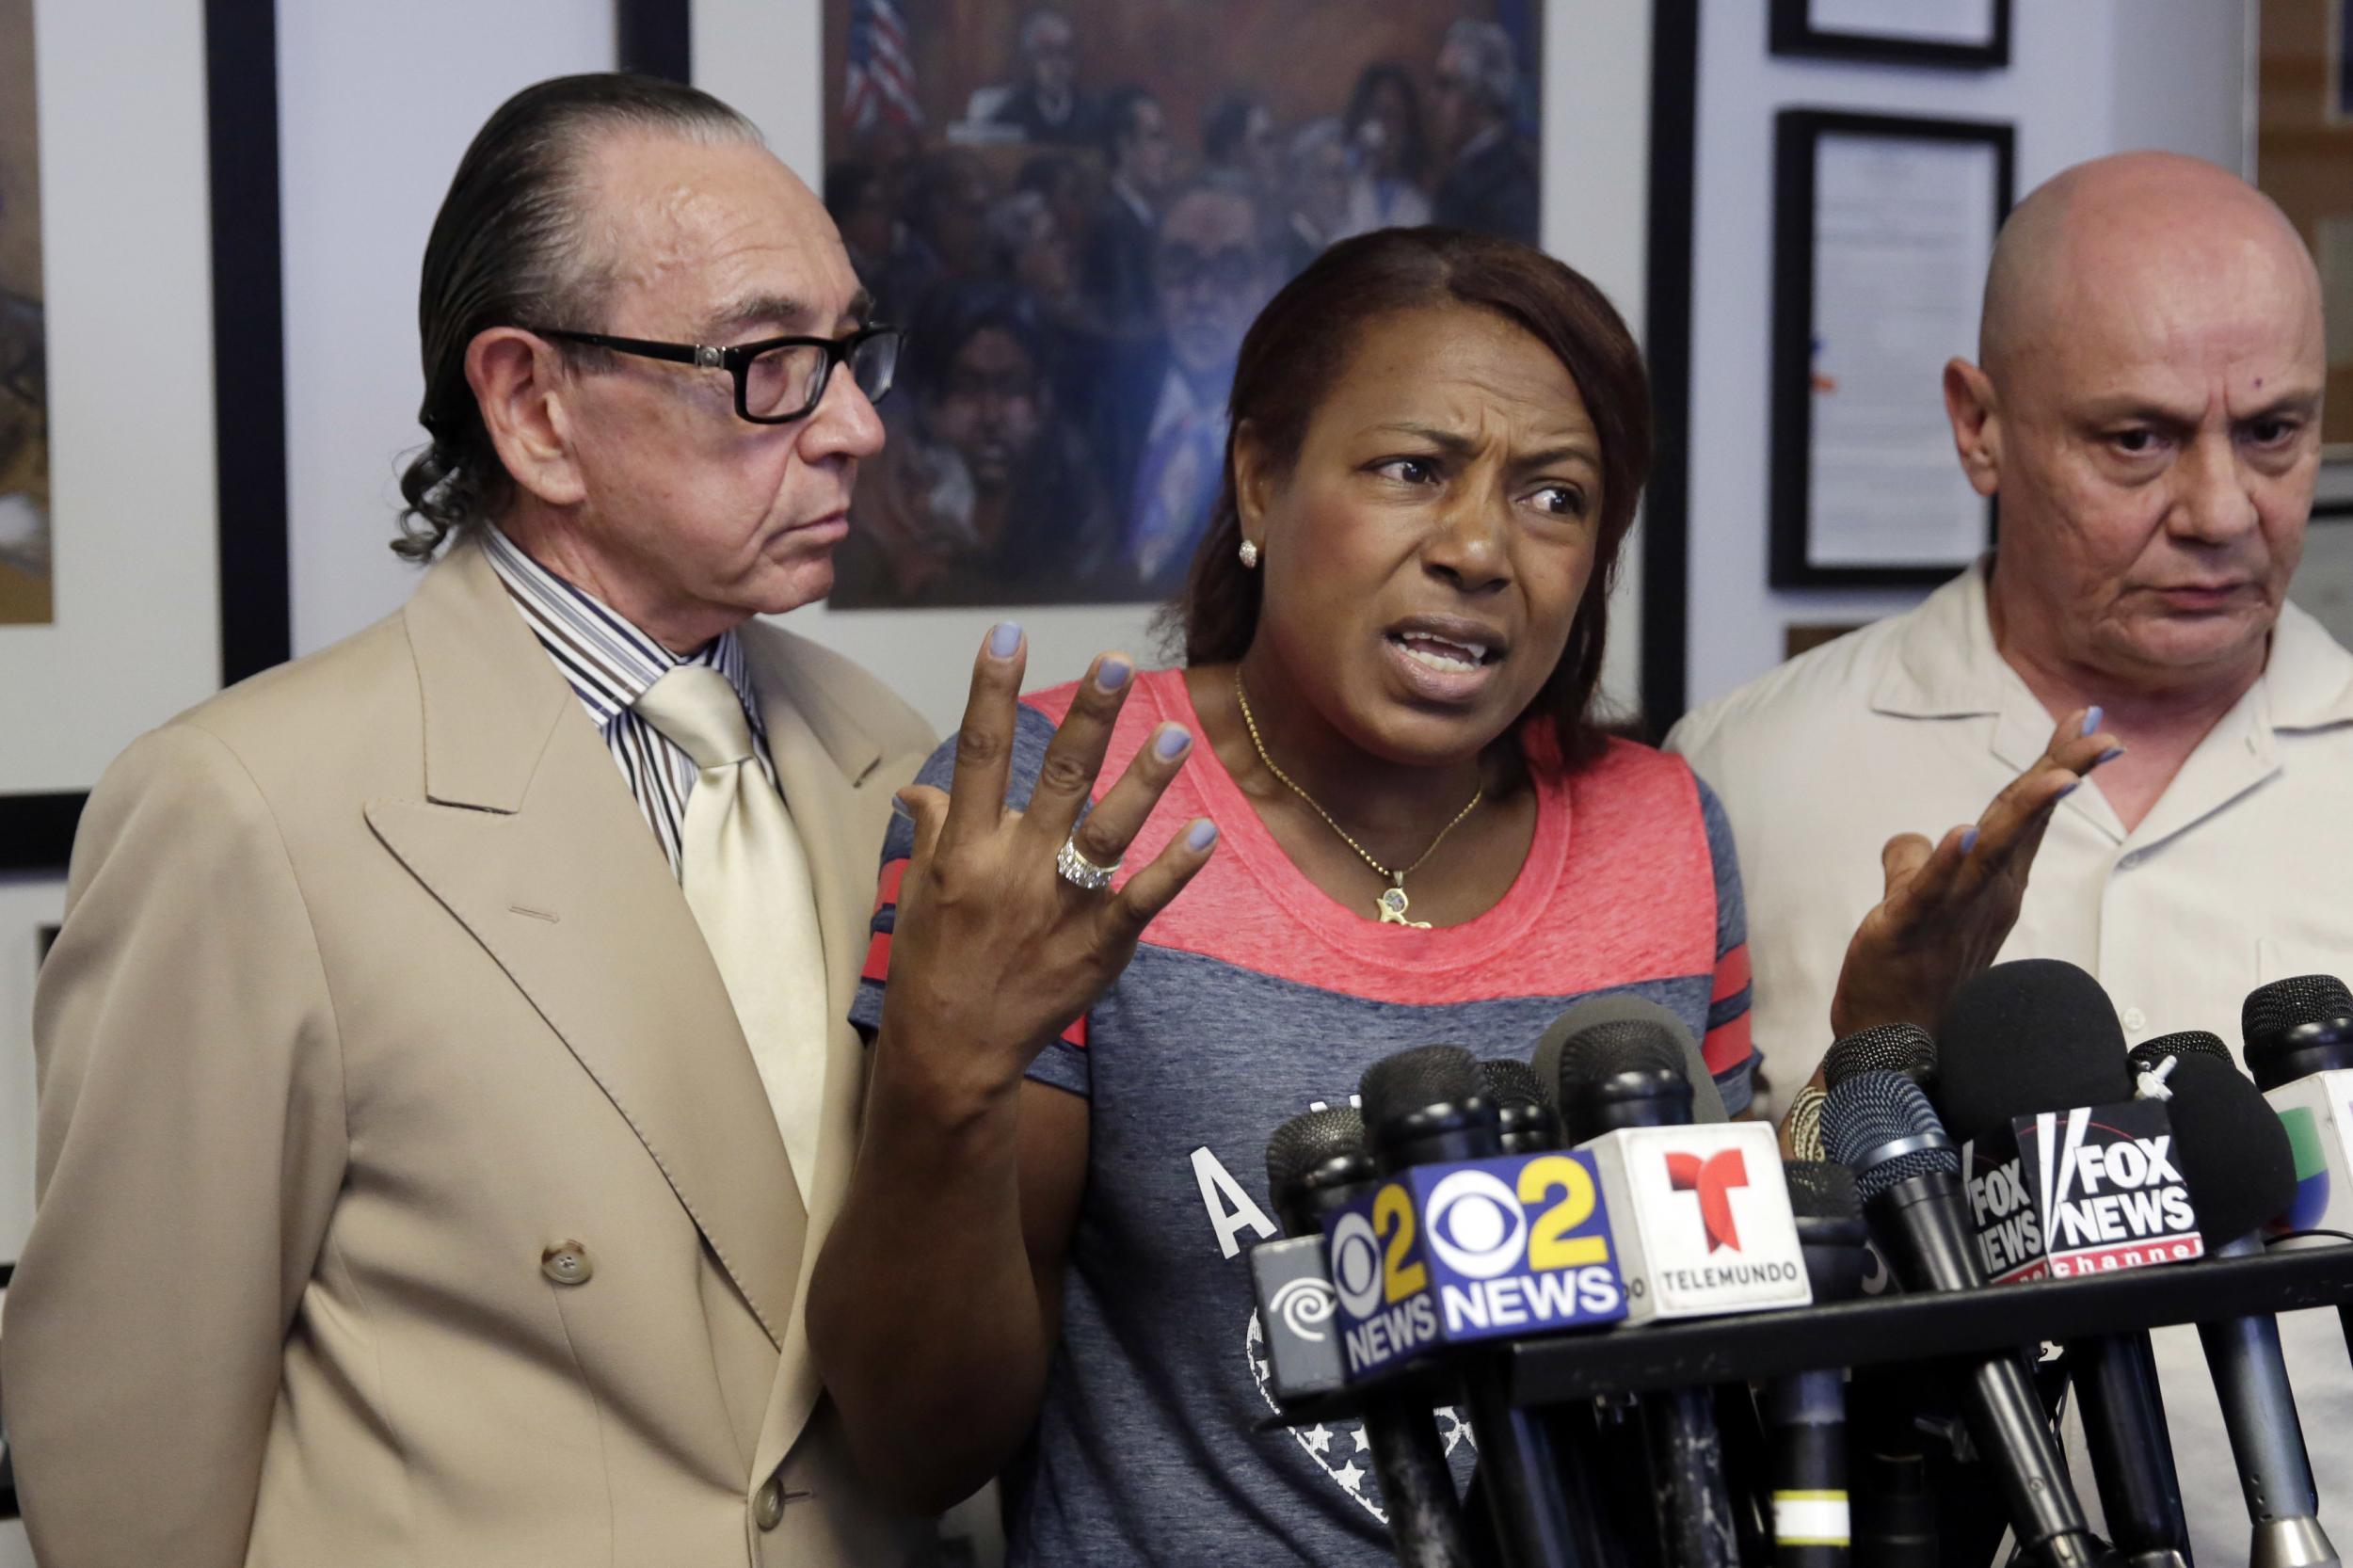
2147, 412
2114, 226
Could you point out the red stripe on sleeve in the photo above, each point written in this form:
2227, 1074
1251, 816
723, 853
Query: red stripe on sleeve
878, 957
893, 873
1726, 1045
1731, 973
1077, 1034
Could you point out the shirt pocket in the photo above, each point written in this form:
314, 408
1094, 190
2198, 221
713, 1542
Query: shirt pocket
2281, 958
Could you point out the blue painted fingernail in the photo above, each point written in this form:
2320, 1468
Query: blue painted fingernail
1201, 835
1111, 674
1968, 840
2092, 720
1171, 742
2072, 785
1003, 638
2108, 756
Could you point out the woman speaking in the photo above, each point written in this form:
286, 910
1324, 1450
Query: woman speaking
1379, 787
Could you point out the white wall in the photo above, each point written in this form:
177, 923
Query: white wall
2085, 77
376, 103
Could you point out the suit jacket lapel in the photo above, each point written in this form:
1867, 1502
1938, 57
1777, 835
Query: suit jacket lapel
823, 759
528, 836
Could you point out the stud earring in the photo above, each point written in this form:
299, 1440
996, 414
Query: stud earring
1249, 554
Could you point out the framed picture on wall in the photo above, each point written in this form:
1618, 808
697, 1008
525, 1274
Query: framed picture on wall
1076, 212
1882, 230
1616, 114
2303, 146
142, 449
1972, 33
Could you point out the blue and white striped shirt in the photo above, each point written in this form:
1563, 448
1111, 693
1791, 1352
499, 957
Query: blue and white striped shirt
609, 663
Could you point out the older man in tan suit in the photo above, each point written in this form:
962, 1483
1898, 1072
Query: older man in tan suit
445, 1080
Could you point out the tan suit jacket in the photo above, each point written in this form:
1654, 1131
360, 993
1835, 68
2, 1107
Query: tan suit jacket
375, 990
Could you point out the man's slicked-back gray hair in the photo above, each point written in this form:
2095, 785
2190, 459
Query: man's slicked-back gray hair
515, 246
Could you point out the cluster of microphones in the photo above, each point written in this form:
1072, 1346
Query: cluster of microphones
1464, 1208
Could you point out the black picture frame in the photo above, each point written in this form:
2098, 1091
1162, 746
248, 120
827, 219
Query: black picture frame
248, 391
1798, 134
1793, 32
1666, 588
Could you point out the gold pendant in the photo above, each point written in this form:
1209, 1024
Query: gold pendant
1393, 904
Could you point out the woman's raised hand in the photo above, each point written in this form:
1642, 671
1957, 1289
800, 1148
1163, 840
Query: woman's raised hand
1950, 905
995, 950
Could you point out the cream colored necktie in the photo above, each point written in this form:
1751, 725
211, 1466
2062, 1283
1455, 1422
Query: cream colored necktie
746, 879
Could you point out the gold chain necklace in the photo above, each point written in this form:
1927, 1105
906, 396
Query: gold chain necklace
1392, 902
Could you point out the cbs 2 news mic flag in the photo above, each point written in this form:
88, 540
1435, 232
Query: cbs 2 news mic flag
1645, 1222
2092, 1191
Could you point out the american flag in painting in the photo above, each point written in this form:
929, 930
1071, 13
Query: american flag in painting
879, 79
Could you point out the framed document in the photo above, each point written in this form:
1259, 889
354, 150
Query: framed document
1882, 228
1965, 33
142, 415
2302, 129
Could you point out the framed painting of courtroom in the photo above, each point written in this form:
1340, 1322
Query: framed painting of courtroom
1078, 211
1616, 105
142, 452
2302, 121
1882, 230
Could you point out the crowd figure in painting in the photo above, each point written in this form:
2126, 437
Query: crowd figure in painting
1076, 283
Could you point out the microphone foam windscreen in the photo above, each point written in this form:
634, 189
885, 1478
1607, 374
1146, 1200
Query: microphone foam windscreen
1624, 1046
1400, 1084
1308, 1139
1871, 1111
1508, 1082
2026, 1037
2234, 1153
2282, 1006
1821, 1190
2188, 1042
1886, 1048
1707, 1103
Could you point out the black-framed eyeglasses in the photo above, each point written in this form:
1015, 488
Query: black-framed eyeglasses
777, 380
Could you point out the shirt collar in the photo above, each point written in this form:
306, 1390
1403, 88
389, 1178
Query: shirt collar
1947, 665
608, 662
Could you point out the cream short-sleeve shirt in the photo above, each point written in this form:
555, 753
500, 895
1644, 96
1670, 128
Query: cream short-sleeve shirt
2238, 876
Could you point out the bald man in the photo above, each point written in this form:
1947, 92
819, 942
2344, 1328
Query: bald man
2146, 408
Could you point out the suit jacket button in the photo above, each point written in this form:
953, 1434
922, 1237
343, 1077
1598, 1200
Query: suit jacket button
768, 1504
568, 1263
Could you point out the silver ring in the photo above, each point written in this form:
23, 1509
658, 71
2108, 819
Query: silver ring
1078, 870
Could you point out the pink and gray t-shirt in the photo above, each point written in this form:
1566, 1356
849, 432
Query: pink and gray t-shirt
1252, 998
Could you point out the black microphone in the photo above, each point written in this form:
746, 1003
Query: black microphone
2020, 1039
1707, 1102
1880, 1126
1525, 1117
2241, 1172
2145, 1056
1629, 1072
2152, 1055
1905, 1049
1621, 1073
1421, 1106
2296, 1028
1316, 1163
1807, 1411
